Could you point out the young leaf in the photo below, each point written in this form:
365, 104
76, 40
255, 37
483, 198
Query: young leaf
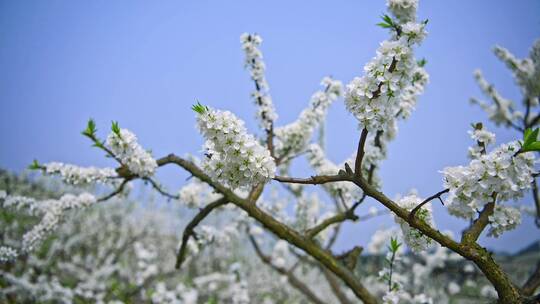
115, 128
387, 22
199, 108
34, 165
422, 62
90, 130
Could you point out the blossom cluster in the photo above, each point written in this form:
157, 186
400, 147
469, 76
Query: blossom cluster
483, 138
322, 166
500, 175
502, 111
76, 175
235, 157
411, 92
7, 254
196, 194
54, 212
180, 294
253, 62
375, 99
526, 71
415, 239
294, 137
307, 210
125, 147
504, 218
404, 10
280, 253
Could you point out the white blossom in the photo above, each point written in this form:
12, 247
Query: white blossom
497, 173
54, 212
380, 239
504, 218
235, 157
294, 137
76, 175
7, 254
483, 139
502, 111
196, 194
307, 210
415, 239
404, 10
124, 145
453, 288
411, 92
266, 113
526, 71
280, 253
374, 99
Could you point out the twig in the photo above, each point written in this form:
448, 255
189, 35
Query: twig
115, 192
427, 200
159, 189
360, 153
189, 230
314, 180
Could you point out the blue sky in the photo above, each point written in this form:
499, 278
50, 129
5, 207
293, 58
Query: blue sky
143, 63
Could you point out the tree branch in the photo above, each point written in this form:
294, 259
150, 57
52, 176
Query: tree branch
533, 282
314, 180
159, 189
338, 218
189, 230
473, 232
279, 229
427, 200
360, 153
506, 290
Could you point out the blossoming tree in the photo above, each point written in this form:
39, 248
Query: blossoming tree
238, 166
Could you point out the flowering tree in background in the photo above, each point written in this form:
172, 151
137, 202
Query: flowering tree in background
238, 166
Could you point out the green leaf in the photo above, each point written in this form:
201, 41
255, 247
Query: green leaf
394, 244
527, 133
422, 62
199, 108
535, 146
34, 165
530, 140
387, 22
115, 128
90, 130
384, 25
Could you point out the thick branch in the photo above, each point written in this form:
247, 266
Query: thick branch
189, 230
279, 229
473, 232
506, 290
338, 218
